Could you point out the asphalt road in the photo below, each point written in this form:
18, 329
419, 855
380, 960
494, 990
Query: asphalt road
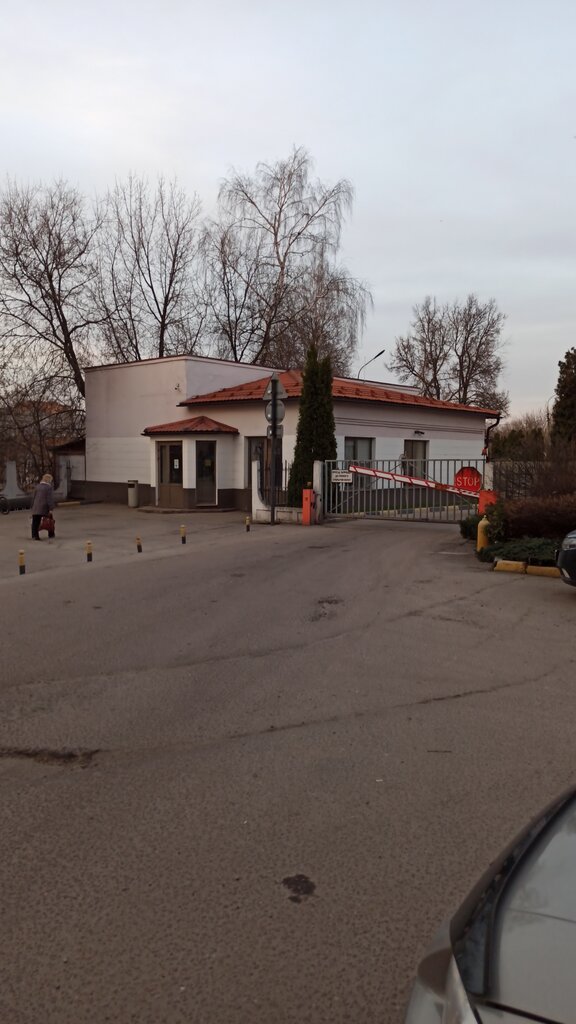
297, 749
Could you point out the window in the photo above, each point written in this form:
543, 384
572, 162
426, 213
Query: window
359, 449
415, 457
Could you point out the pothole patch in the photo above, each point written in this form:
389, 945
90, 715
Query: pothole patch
300, 886
326, 608
41, 755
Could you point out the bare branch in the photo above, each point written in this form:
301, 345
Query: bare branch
453, 352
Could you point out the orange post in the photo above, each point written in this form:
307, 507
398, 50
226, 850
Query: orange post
485, 499
308, 506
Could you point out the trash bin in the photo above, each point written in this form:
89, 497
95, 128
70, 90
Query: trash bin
132, 494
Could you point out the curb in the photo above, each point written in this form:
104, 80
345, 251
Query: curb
505, 565
544, 570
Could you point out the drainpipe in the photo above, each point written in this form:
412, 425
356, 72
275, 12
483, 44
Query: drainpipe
486, 451
488, 477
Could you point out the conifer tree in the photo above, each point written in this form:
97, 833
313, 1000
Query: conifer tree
315, 435
564, 414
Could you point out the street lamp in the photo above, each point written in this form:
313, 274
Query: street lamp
377, 356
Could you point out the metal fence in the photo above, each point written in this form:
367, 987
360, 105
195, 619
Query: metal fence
522, 479
281, 483
389, 499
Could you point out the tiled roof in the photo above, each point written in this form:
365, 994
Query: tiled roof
342, 387
196, 425
252, 390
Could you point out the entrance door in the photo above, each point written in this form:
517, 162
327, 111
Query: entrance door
205, 472
170, 489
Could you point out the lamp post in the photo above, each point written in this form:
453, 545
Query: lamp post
363, 367
275, 411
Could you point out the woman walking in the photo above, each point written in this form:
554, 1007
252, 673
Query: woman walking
42, 504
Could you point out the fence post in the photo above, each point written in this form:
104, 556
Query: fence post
260, 511
318, 485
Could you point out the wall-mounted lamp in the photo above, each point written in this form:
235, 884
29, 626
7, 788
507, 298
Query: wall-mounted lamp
176, 387
419, 433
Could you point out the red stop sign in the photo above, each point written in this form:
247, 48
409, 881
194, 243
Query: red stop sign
468, 478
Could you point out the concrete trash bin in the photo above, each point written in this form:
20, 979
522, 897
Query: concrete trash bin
132, 494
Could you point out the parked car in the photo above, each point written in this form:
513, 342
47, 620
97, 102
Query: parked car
508, 956
566, 560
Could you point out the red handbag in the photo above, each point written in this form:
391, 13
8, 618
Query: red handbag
47, 523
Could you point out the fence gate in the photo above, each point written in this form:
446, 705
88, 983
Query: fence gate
431, 490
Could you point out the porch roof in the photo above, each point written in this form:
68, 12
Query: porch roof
343, 388
195, 425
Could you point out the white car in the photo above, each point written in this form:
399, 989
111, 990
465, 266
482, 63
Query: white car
509, 955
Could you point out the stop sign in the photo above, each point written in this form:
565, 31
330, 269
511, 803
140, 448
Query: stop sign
468, 478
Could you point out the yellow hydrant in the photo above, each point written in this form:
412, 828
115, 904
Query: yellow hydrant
482, 538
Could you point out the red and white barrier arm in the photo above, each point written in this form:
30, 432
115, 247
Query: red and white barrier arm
414, 481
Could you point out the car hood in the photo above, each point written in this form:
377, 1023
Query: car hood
535, 935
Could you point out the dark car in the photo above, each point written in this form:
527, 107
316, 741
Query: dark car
509, 954
566, 561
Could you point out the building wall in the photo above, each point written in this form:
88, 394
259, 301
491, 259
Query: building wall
250, 420
122, 400
450, 435
118, 459
228, 447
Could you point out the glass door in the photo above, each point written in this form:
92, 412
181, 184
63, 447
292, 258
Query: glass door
170, 489
205, 472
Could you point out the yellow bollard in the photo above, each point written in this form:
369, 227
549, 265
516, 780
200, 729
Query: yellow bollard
248, 521
183, 534
482, 538
88, 550
138, 545
21, 563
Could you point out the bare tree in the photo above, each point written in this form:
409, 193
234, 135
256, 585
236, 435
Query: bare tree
40, 407
148, 289
274, 230
330, 314
453, 352
47, 269
231, 291
525, 437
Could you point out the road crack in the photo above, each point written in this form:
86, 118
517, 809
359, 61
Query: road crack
63, 757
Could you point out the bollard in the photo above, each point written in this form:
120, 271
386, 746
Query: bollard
482, 539
88, 550
138, 545
248, 521
183, 534
21, 563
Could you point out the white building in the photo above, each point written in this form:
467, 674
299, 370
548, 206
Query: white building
188, 428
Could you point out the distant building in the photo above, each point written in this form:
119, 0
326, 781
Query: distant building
189, 428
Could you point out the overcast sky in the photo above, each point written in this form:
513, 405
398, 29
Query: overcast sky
455, 121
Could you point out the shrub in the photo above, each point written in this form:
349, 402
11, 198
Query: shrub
536, 550
498, 522
537, 517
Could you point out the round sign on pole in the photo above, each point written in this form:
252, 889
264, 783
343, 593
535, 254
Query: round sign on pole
280, 411
468, 478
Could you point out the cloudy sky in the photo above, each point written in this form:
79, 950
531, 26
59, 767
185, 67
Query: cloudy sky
455, 121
